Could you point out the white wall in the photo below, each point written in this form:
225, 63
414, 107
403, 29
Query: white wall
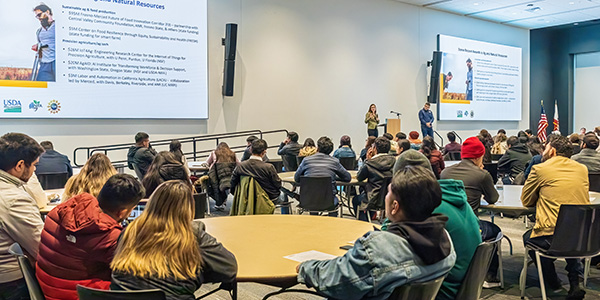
587, 72
312, 66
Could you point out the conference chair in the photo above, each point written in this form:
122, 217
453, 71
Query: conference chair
581, 219
35, 291
492, 168
299, 159
379, 206
138, 172
200, 205
250, 199
471, 286
278, 164
316, 196
349, 163
418, 290
496, 157
53, 180
87, 293
453, 155
594, 182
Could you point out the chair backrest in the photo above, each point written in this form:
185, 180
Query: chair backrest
289, 162
316, 193
418, 290
454, 155
199, 205
299, 159
577, 231
594, 182
35, 291
86, 293
138, 172
492, 168
471, 286
383, 192
53, 180
349, 163
278, 164
496, 156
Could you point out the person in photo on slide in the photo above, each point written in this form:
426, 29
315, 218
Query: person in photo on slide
46, 45
469, 81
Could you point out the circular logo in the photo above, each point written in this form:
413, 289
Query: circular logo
54, 107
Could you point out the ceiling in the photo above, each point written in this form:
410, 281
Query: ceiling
526, 14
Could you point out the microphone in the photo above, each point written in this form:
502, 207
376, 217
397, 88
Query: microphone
395, 112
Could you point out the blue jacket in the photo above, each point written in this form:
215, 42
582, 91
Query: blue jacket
52, 161
321, 164
344, 152
381, 261
425, 117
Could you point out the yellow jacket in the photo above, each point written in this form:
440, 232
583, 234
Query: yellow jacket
550, 184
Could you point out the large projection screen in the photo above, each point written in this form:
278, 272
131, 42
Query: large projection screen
104, 59
479, 81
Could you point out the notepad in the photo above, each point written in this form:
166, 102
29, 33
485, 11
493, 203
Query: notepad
309, 255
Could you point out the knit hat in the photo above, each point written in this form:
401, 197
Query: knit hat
472, 148
411, 157
413, 135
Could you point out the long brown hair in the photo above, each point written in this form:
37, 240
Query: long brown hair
160, 243
372, 104
92, 177
224, 154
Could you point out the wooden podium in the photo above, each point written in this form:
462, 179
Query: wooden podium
393, 126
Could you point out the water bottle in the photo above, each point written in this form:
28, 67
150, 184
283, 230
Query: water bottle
500, 189
360, 163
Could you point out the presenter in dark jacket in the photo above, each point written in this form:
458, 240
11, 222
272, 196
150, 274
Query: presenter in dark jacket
165, 249
426, 119
52, 162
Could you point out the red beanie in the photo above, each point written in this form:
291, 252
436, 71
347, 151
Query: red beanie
413, 135
472, 148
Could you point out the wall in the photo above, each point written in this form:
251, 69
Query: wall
313, 66
552, 53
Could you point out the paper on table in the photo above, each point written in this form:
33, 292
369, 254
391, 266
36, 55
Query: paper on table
308, 255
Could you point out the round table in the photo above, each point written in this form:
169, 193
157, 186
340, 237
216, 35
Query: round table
260, 242
289, 178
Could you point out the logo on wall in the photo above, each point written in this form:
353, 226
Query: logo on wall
35, 105
12, 106
54, 107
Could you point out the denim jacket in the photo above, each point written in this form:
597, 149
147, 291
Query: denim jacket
378, 263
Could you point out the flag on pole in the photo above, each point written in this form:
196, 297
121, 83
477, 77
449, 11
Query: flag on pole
542, 125
555, 122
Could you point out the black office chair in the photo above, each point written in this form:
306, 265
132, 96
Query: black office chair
200, 205
53, 180
492, 168
576, 235
299, 159
349, 163
471, 286
418, 290
86, 293
594, 182
35, 291
138, 172
278, 164
379, 205
316, 195
496, 157
454, 155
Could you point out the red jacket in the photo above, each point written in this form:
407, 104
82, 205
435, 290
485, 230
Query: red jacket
77, 245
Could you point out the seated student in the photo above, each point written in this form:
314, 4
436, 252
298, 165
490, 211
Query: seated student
91, 178
221, 154
345, 149
375, 170
394, 146
514, 161
19, 213
175, 148
381, 261
368, 144
164, 249
264, 173
321, 164
452, 146
309, 148
435, 157
222, 162
575, 142
289, 149
403, 145
393, 142
52, 161
500, 145
415, 142
248, 151
80, 237
141, 154
164, 167
588, 156
411, 157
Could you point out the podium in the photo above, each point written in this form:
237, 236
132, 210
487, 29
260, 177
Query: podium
393, 126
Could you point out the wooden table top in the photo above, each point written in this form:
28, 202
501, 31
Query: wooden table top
260, 242
289, 178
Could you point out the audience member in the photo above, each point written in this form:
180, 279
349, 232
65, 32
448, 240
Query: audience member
52, 162
411, 157
545, 189
514, 161
222, 154
175, 148
500, 144
218, 181
164, 167
368, 145
582, 132
166, 227
91, 178
19, 213
415, 142
536, 159
35, 189
403, 145
375, 170
435, 157
588, 156
345, 148
529, 133
248, 150
141, 154
321, 164
470, 171
289, 150
500, 131
393, 142
575, 142
452, 146
308, 148
487, 141
380, 261
80, 237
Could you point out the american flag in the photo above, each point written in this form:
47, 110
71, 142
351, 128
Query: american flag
542, 125
555, 122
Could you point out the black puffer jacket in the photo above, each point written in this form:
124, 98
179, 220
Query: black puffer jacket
375, 170
142, 157
220, 181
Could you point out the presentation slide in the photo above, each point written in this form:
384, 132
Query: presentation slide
104, 59
479, 81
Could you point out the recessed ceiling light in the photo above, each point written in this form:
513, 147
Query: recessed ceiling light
575, 24
476, 3
571, 2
